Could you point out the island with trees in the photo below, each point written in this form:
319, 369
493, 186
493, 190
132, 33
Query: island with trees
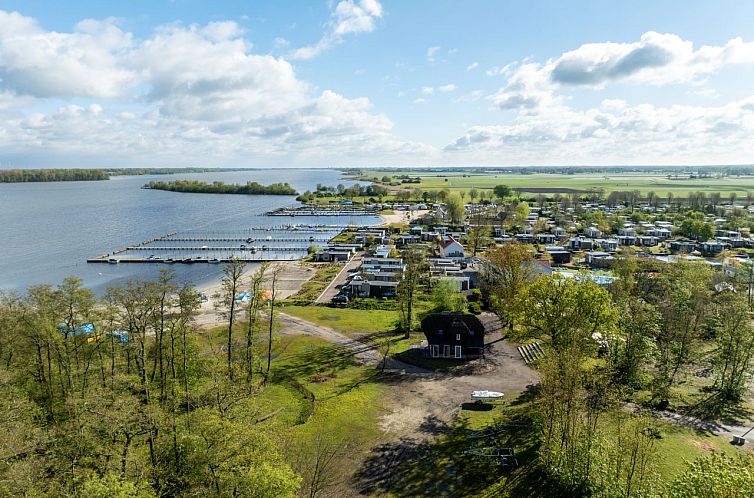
197, 187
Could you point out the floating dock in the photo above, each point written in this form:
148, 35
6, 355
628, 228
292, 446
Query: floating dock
279, 243
305, 211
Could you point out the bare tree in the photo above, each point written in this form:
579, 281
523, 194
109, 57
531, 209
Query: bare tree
318, 462
252, 317
232, 283
273, 289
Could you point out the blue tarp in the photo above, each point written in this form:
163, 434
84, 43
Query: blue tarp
79, 330
244, 298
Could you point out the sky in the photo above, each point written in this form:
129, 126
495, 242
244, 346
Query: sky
342, 83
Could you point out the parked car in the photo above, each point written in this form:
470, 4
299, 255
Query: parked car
339, 299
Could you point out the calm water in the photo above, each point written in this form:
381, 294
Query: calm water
47, 230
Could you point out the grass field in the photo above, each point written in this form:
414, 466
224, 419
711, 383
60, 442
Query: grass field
654, 182
345, 320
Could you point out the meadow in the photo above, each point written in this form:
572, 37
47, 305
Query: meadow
660, 183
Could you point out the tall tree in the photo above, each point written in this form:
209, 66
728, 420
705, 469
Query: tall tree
506, 271
232, 284
274, 274
455, 208
683, 298
409, 286
734, 336
252, 317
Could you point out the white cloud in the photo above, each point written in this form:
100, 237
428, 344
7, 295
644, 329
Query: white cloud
472, 66
450, 87
420, 100
203, 96
280, 43
546, 130
428, 90
431, 52
347, 18
655, 59
616, 133
471, 96
83, 63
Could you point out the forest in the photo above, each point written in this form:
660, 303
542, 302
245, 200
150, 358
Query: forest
52, 175
197, 187
121, 396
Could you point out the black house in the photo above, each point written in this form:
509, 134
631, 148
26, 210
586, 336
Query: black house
454, 335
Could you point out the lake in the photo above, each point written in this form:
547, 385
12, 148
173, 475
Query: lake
48, 230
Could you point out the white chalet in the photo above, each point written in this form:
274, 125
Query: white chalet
451, 248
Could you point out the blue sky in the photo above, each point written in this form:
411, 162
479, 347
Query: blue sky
368, 82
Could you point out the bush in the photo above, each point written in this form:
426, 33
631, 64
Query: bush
475, 308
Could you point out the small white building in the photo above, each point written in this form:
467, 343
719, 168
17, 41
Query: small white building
451, 248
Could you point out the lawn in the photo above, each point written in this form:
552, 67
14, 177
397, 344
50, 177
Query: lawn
346, 320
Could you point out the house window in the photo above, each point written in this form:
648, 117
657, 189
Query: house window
446, 351
435, 350
458, 351
458, 337
439, 331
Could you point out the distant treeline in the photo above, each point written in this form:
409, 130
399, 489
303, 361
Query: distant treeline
251, 188
168, 171
51, 175
699, 171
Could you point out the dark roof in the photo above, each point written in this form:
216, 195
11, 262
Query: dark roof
447, 320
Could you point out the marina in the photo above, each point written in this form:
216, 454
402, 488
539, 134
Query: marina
278, 243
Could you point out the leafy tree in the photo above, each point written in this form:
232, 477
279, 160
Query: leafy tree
522, 210
507, 270
112, 485
456, 209
409, 286
683, 298
568, 313
502, 191
716, 476
734, 337
446, 297
632, 347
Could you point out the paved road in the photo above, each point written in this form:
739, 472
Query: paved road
333, 289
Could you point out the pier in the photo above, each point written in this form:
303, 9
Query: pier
279, 243
308, 211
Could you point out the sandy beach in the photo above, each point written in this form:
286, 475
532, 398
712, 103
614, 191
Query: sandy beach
402, 216
291, 278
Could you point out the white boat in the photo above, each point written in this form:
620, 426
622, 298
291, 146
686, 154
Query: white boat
482, 395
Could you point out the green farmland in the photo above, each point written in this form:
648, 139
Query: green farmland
553, 183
